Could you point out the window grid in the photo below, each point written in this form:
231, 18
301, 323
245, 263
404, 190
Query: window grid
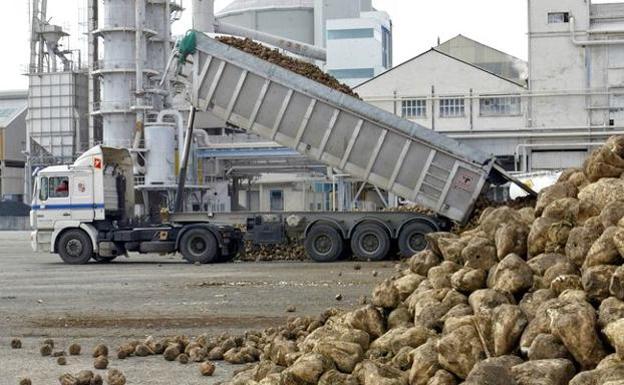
558, 17
452, 108
500, 106
414, 108
356, 33
353, 73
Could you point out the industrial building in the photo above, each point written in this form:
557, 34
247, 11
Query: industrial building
357, 37
545, 115
13, 108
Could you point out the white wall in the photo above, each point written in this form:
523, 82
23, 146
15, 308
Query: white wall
434, 75
358, 53
573, 97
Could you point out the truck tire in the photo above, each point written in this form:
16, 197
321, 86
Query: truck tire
199, 245
412, 238
233, 251
323, 244
100, 259
75, 247
370, 243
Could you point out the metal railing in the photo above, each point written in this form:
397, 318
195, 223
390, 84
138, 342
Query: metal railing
33, 69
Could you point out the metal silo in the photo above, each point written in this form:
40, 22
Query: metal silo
292, 19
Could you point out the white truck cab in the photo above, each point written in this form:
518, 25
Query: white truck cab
86, 211
75, 197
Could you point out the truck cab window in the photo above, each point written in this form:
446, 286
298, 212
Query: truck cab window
59, 187
43, 189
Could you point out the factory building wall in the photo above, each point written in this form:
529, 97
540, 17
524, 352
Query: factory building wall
574, 100
359, 48
557, 65
446, 95
12, 159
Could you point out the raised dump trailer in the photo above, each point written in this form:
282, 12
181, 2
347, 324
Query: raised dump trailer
339, 130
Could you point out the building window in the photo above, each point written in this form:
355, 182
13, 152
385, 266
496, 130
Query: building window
558, 17
358, 33
386, 43
500, 106
353, 73
414, 108
452, 108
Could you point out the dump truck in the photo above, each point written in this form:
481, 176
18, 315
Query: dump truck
91, 214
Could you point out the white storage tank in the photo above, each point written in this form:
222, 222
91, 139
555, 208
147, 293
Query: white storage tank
160, 158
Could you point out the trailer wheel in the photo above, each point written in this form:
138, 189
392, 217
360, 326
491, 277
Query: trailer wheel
324, 244
370, 242
412, 238
75, 247
198, 245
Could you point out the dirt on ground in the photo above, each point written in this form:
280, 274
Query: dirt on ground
158, 296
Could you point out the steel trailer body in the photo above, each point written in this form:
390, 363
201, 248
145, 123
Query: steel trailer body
341, 131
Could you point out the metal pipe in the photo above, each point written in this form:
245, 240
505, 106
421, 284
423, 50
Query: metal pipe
163, 78
203, 16
138, 53
185, 160
167, 49
589, 42
293, 46
536, 135
568, 93
177, 115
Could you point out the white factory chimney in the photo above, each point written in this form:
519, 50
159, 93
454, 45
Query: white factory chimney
203, 15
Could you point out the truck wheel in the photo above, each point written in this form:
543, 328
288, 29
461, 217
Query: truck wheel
370, 242
323, 244
75, 247
233, 251
412, 238
100, 259
198, 245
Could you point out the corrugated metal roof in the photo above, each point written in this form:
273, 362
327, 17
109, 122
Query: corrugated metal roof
10, 109
243, 5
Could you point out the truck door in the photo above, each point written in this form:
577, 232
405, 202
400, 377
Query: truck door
53, 201
82, 197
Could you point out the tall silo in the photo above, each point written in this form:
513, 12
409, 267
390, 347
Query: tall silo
136, 41
292, 19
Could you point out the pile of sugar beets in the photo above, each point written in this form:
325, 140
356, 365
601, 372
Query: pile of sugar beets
530, 296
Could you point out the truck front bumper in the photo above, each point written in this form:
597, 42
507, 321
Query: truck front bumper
40, 241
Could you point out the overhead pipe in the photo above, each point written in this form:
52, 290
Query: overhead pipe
589, 42
296, 47
204, 21
534, 135
523, 95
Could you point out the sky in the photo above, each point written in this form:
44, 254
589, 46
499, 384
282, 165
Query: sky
417, 24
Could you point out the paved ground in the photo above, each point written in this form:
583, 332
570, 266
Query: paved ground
40, 298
